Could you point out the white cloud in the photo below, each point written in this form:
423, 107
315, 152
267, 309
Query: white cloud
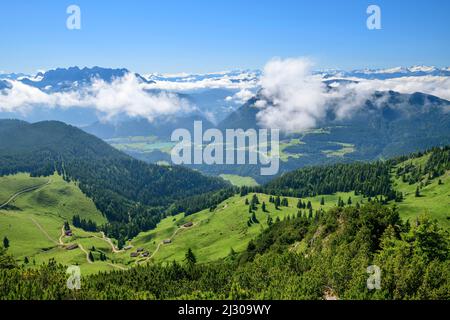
124, 95
297, 96
241, 97
216, 80
295, 99
434, 85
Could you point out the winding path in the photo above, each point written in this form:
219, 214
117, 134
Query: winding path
85, 251
29, 189
175, 233
109, 241
161, 243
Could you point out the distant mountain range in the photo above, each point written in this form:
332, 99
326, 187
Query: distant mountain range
74, 78
382, 74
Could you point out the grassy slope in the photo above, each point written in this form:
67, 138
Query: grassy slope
13, 183
33, 224
239, 181
215, 233
434, 199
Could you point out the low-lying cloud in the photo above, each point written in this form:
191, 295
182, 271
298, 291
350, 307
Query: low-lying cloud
295, 99
125, 95
240, 81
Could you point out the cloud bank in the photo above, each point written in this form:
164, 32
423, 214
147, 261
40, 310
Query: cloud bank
222, 80
124, 95
295, 99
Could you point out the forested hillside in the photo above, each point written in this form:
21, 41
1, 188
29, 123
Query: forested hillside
324, 257
369, 179
130, 193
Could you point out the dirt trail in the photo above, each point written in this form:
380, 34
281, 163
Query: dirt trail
117, 266
29, 189
109, 241
161, 243
63, 233
85, 251
43, 231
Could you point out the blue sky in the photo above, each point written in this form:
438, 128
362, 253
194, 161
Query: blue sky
212, 35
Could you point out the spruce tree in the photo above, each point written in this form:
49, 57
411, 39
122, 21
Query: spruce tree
6, 242
190, 257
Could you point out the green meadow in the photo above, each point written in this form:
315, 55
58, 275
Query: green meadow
239, 181
33, 222
214, 234
434, 199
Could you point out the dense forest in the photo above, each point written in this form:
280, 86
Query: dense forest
131, 194
297, 258
369, 179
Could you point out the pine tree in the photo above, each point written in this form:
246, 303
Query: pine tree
246, 202
66, 226
190, 257
91, 256
277, 202
120, 243
6, 242
417, 192
232, 253
322, 201
263, 206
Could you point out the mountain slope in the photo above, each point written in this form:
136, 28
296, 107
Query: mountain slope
386, 125
160, 127
131, 193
